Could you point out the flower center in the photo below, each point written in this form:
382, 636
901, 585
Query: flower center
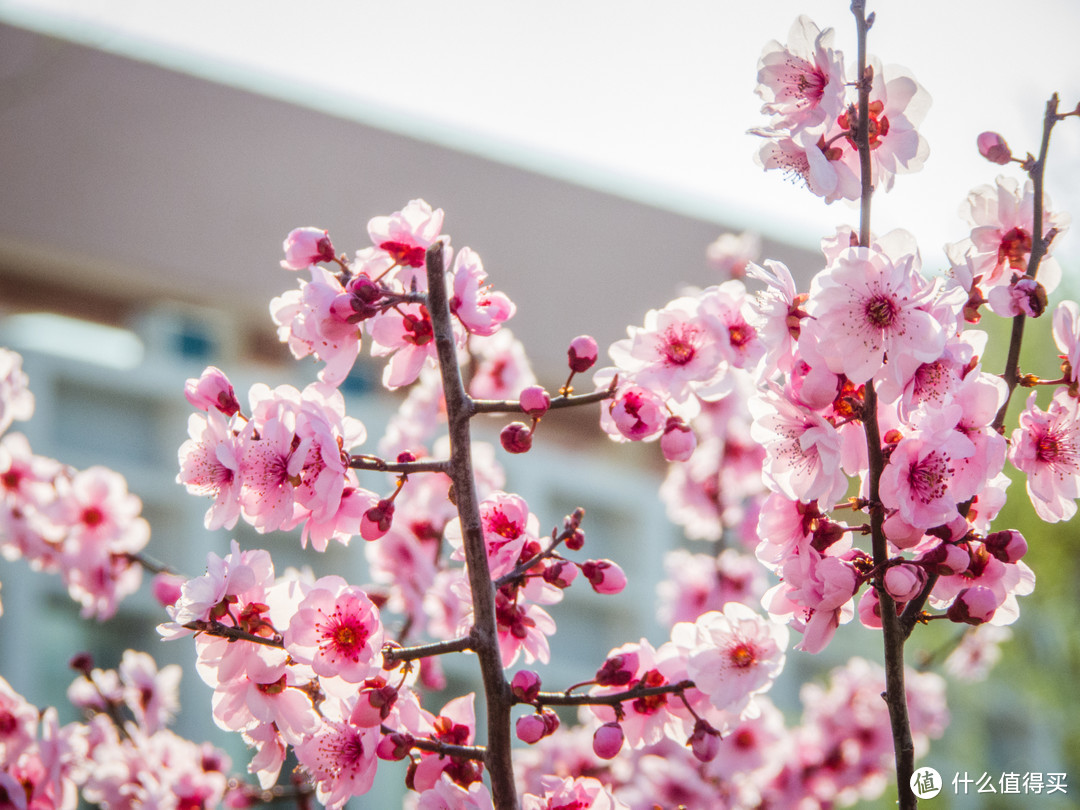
651, 703
1047, 448
743, 656
92, 516
1014, 249
679, 347
881, 311
927, 478
404, 253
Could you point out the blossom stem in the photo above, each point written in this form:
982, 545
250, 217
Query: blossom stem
391, 653
484, 640
563, 401
893, 637
363, 462
613, 699
1039, 244
211, 628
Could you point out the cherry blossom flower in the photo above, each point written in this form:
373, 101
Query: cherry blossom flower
212, 389
336, 630
674, 354
447, 794
1046, 447
737, 654
865, 306
305, 246
310, 324
210, 466
580, 793
407, 234
802, 450
16, 401
732, 254
341, 759
802, 84
502, 367
406, 334
999, 245
1067, 336
480, 310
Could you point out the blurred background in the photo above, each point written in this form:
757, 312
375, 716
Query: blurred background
156, 154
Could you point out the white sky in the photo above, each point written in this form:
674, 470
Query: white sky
645, 99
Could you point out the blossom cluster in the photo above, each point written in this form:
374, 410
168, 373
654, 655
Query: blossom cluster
811, 133
123, 755
81, 524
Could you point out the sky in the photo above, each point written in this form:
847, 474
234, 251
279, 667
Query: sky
651, 101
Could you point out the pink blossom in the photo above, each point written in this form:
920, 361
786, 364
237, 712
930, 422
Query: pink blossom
778, 315
305, 246
270, 467
814, 597
977, 652
802, 161
674, 354
448, 795
737, 654
407, 234
16, 401
999, 244
580, 793
152, 694
605, 576
993, 147
678, 442
608, 740
1046, 447
582, 353
523, 630
210, 466
534, 400
502, 367
337, 631
919, 479
508, 525
802, 84
455, 725
212, 389
407, 335
732, 254
341, 759
480, 310
1067, 336
635, 413
898, 105
802, 450
867, 305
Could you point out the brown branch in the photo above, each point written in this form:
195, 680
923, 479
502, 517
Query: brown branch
892, 634
484, 635
361, 462
513, 406
1040, 243
232, 633
613, 699
395, 654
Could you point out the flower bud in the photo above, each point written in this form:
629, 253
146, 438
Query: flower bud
377, 520
305, 246
678, 442
903, 582
551, 721
525, 685
605, 576
560, 573
516, 438
704, 742
535, 401
945, 559
374, 703
576, 540
212, 390
530, 728
167, 588
993, 147
618, 670
973, 605
394, 747
1008, 546
638, 413
582, 353
607, 742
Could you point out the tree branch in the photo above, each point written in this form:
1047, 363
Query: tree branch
484, 635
